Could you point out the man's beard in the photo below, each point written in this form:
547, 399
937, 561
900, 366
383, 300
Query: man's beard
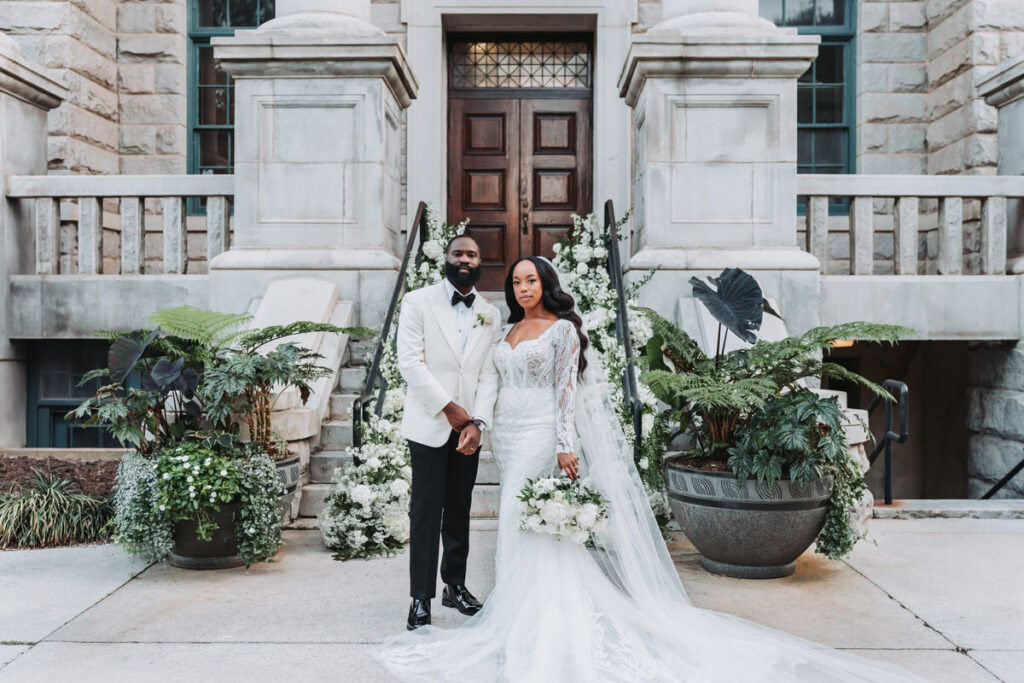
451, 271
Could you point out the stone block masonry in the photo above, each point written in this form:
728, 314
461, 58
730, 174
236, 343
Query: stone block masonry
151, 64
77, 39
995, 418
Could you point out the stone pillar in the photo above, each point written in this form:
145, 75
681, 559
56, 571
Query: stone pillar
995, 372
713, 89
319, 95
27, 93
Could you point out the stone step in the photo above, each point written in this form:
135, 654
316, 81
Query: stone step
323, 464
361, 352
341, 406
487, 472
992, 508
485, 500
352, 379
335, 435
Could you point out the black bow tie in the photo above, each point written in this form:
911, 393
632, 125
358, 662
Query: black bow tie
459, 298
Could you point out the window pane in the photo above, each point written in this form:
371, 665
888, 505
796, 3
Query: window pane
831, 12
213, 12
829, 105
805, 104
210, 72
61, 370
515, 64
244, 12
800, 12
213, 106
829, 64
771, 10
828, 148
266, 10
214, 148
804, 138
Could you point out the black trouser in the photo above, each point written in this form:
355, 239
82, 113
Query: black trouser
442, 492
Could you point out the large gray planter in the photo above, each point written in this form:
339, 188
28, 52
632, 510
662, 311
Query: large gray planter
749, 530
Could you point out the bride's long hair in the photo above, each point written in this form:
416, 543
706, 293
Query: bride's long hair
553, 298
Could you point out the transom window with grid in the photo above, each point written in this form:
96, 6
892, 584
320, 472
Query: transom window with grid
825, 97
210, 89
519, 64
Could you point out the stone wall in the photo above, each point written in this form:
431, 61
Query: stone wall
995, 418
152, 76
77, 39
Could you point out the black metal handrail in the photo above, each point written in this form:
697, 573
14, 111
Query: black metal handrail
362, 402
629, 390
890, 437
1005, 480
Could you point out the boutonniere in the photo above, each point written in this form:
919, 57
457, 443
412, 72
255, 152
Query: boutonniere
485, 318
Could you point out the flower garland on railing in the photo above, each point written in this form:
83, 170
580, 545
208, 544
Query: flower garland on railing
366, 512
583, 262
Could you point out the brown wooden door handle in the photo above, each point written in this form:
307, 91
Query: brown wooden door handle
526, 224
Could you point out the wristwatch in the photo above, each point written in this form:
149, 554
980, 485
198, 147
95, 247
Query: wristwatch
478, 422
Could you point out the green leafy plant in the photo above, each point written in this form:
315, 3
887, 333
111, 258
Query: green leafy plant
192, 482
747, 409
52, 511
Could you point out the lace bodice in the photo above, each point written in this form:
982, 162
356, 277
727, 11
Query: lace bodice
550, 361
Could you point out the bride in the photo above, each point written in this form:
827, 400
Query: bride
560, 611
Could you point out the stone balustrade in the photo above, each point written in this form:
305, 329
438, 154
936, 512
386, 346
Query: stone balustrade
47, 192
992, 192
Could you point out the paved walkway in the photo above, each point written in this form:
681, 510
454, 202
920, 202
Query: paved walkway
942, 597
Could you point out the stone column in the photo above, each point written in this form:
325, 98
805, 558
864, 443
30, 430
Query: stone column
995, 372
713, 89
319, 95
1004, 89
27, 93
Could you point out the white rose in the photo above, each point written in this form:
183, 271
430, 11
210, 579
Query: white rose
433, 250
373, 463
582, 268
600, 252
582, 252
362, 495
399, 487
557, 247
587, 516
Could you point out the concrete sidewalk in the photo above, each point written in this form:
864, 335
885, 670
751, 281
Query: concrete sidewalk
941, 597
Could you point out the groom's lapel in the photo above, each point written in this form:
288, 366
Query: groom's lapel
442, 309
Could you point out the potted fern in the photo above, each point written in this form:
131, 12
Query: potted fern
767, 469
192, 490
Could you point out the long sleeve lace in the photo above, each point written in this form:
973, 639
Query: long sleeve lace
567, 358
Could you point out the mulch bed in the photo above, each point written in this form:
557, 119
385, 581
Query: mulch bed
94, 477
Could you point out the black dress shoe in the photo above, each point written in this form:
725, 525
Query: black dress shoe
419, 614
459, 597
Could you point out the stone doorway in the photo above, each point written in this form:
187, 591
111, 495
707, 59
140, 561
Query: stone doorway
519, 143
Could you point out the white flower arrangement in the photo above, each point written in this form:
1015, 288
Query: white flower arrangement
563, 508
367, 509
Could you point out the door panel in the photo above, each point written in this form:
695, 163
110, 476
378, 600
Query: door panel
518, 169
483, 179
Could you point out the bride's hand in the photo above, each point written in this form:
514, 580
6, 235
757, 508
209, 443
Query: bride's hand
570, 464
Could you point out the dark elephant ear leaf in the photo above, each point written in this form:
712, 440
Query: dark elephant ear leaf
124, 353
736, 301
771, 311
166, 372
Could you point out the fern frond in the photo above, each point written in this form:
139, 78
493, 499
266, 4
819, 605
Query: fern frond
208, 328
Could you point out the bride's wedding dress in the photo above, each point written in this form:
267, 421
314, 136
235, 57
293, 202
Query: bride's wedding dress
560, 612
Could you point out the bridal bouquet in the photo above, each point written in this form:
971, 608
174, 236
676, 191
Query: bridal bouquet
562, 507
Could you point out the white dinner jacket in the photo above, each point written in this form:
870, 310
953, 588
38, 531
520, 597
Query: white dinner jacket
436, 371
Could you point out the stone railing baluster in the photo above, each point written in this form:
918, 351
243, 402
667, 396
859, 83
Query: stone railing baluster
132, 235
175, 235
862, 236
817, 230
951, 236
217, 231
993, 236
47, 224
906, 220
90, 236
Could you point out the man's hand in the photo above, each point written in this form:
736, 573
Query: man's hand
469, 440
456, 415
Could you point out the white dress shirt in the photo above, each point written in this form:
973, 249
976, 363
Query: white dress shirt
464, 320
463, 314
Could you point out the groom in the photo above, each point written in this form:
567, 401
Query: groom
445, 335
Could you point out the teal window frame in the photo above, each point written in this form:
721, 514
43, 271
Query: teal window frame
46, 427
841, 34
199, 38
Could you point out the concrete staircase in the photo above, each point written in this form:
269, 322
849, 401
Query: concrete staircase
336, 436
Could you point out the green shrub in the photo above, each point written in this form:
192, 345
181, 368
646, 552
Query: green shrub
51, 511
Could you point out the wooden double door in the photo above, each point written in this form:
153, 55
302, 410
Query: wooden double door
518, 169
